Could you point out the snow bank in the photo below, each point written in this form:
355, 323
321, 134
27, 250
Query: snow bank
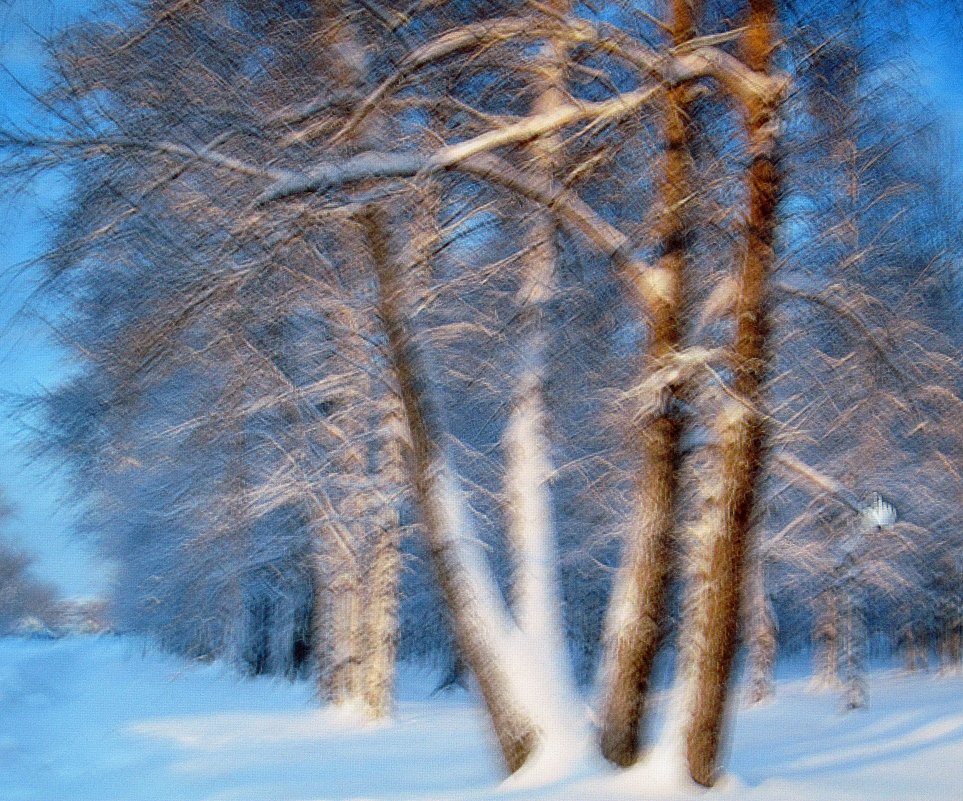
111, 719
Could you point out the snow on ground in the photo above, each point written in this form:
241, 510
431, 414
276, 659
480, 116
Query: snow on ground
111, 719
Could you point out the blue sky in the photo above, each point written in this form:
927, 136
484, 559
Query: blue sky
29, 361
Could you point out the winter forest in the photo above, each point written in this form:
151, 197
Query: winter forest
593, 358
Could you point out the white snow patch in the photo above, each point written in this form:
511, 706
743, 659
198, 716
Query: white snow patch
118, 721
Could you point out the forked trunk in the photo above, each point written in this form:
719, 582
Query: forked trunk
634, 622
478, 619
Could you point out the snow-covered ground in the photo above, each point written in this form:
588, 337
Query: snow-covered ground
111, 719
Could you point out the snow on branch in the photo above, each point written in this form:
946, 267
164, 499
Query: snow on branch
571, 210
819, 480
700, 59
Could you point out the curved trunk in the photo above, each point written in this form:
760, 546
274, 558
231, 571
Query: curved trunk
478, 618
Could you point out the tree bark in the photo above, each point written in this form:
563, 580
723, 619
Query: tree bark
344, 607
634, 622
357, 505
950, 633
854, 650
725, 527
479, 623
761, 632
914, 644
381, 616
826, 639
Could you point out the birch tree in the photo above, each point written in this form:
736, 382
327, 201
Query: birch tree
265, 192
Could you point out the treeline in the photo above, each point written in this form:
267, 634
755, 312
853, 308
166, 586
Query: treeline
420, 329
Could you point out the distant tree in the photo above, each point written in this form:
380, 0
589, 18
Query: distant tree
25, 601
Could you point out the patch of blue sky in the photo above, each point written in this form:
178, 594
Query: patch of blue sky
30, 360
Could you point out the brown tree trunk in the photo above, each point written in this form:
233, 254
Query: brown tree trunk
634, 623
726, 524
473, 613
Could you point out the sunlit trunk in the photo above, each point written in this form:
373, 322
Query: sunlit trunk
634, 623
381, 614
725, 527
528, 468
345, 619
355, 506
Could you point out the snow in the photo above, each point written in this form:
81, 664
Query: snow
112, 719
539, 686
548, 687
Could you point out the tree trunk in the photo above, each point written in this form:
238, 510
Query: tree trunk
726, 524
854, 651
949, 634
528, 468
381, 616
236, 522
479, 622
761, 632
956, 639
826, 639
337, 616
908, 641
634, 621
356, 504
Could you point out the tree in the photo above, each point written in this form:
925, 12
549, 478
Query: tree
24, 600
303, 330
